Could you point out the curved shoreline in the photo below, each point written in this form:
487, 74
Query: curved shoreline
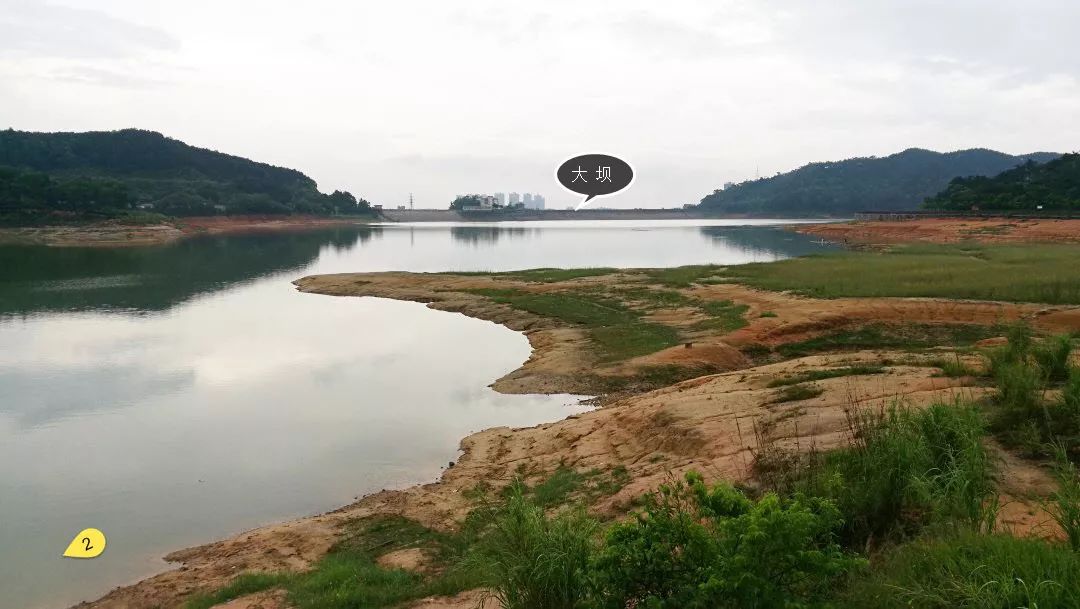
692, 424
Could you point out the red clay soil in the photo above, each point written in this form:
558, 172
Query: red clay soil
947, 230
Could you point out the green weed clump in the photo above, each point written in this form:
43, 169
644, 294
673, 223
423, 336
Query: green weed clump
531, 561
1052, 356
618, 332
905, 470
795, 393
971, 570
695, 546
820, 375
891, 336
1023, 370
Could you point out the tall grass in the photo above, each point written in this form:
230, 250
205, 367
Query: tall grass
1052, 355
1065, 501
530, 561
906, 469
972, 571
1023, 370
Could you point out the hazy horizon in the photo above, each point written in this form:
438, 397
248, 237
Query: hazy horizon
436, 100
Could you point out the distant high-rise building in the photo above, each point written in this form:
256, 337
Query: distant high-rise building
501, 198
538, 201
527, 199
515, 198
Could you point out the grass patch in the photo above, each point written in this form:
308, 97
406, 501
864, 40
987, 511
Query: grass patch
248, 583
656, 298
954, 368
684, 276
618, 331
892, 336
348, 577
1027, 273
794, 393
906, 470
767, 314
650, 377
548, 275
820, 375
970, 570
724, 315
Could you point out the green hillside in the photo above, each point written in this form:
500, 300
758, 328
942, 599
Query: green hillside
1053, 186
897, 182
111, 173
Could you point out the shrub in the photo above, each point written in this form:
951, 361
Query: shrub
1019, 387
975, 571
531, 561
906, 469
1015, 350
693, 546
1053, 357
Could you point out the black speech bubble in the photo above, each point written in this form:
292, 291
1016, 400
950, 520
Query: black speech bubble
594, 175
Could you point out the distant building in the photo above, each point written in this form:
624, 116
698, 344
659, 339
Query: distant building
527, 200
501, 198
515, 198
538, 201
728, 185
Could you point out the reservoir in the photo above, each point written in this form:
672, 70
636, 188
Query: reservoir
175, 394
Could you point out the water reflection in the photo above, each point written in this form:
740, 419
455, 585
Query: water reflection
43, 279
486, 235
769, 242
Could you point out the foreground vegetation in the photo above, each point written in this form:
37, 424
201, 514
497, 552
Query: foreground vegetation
904, 516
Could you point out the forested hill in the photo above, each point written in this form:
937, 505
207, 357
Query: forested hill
897, 182
111, 172
1055, 186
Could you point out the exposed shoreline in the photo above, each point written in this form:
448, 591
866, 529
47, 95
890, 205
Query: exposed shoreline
946, 230
694, 424
114, 234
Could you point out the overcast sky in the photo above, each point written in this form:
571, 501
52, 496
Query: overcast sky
439, 97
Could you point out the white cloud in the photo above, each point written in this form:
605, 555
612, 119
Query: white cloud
438, 98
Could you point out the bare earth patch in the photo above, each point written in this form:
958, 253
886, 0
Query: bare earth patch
946, 230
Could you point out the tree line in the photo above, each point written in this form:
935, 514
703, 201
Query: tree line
118, 172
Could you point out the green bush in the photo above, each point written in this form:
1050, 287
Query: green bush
906, 469
1053, 357
693, 546
972, 571
530, 561
1019, 390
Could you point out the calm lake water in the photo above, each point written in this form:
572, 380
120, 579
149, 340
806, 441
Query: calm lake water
173, 395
